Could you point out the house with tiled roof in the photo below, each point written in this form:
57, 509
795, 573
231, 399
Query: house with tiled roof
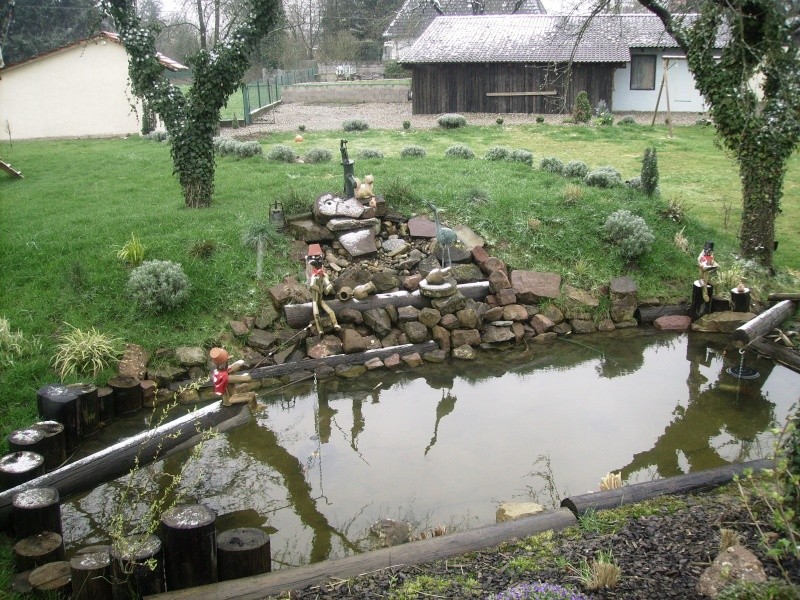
539, 63
415, 16
78, 90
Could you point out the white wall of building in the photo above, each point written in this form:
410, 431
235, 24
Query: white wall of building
683, 96
81, 91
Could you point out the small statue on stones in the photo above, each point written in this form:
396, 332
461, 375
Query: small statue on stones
319, 284
223, 375
364, 189
707, 266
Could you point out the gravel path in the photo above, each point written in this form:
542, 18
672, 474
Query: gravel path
329, 117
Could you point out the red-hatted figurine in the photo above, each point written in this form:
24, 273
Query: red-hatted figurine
223, 375
707, 265
319, 284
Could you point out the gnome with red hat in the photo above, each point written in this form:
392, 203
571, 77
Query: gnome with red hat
222, 376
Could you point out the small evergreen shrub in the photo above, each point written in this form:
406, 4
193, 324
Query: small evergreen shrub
552, 164
499, 120
772, 589
248, 149
393, 70
576, 169
604, 177
355, 125
282, 153
406, 125
521, 156
460, 151
649, 171
302, 127
371, 153
158, 286
583, 108
497, 153
627, 120
629, 233
317, 155
413, 152
452, 121
540, 119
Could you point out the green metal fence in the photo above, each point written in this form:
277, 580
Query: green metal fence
261, 93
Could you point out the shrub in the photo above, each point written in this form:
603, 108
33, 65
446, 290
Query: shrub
158, 285
317, 155
650, 171
84, 353
552, 164
540, 119
203, 249
406, 125
157, 136
604, 177
521, 156
476, 196
772, 589
629, 233
460, 151
627, 120
635, 183
370, 153
583, 109
413, 152
392, 70
355, 125
452, 121
576, 168
282, 153
132, 253
301, 127
538, 591
572, 193
497, 153
499, 120
248, 149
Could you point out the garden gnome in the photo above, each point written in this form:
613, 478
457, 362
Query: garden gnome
319, 284
223, 375
707, 265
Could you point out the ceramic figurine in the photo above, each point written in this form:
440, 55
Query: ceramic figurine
707, 265
223, 375
319, 284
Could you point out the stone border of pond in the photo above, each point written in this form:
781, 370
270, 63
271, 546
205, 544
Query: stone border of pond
439, 548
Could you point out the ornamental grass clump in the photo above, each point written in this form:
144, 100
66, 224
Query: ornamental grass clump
576, 169
282, 153
552, 164
158, 286
355, 125
317, 155
603, 177
521, 156
85, 353
538, 591
132, 253
452, 121
497, 153
460, 151
13, 344
629, 233
413, 152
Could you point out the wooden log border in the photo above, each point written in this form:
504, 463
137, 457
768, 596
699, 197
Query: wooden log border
118, 459
763, 323
429, 550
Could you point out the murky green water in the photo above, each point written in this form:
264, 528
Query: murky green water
445, 444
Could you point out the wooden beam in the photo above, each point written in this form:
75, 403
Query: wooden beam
777, 296
763, 323
788, 357
546, 93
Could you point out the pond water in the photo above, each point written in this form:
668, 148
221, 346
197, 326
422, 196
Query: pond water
446, 444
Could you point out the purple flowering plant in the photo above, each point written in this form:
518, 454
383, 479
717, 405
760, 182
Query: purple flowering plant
538, 591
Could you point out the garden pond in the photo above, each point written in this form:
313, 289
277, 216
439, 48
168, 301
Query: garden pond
446, 444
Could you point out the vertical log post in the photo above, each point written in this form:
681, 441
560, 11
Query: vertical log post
36, 510
38, 550
190, 546
127, 395
106, 397
91, 576
131, 577
52, 579
700, 306
54, 445
89, 407
18, 467
59, 403
740, 299
243, 552
25, 439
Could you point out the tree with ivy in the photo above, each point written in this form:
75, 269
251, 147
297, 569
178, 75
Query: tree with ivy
753, 90
191, 119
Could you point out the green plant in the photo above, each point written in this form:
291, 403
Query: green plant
393, 70
132, 253
629, 233
413, 152
317, 155
158, 286
635, 183
157, 136
13, 344
675, 211
576, 169
627, 120
294, 202
248, 149
604, 177
772, 589
539, 119
521, 156
84, 353
583, 108
452, 121
400, 193
499, 120
355, 125
650, 171
406, 125
426, 584
371, 154
552, 165
603, 116
203, 249
572, 193
282, 153
497, 153
256, 236
235, 122
601, 573
460, 151
301, 127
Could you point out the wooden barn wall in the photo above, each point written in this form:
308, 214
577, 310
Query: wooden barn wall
462, 88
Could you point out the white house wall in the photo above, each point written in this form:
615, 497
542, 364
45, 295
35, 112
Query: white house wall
82, 91
683, 96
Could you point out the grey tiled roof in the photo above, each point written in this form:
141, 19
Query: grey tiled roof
416, 15
537, 38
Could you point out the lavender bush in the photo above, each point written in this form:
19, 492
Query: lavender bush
538, 591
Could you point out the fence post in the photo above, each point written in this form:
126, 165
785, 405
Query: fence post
246, 105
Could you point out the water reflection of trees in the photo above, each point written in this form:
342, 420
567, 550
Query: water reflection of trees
725, 405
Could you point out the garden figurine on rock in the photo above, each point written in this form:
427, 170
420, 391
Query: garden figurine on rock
223, 376
319, 284
707, 266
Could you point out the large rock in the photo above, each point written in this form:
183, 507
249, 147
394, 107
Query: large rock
532, 286
721, 322
541, 324
289, 291
578, 303
673, 323
508, 511
191, 356
385, 281
134, 362
267, 317
623, 294
515, 312
733, 565
358, 243
469, 238
583, 326
415, 331
329, 345
328, 206
393, 247
493, 335
340, 224
465, 352
429, 316
451, 304
409, 313
466, 273
461, 337
421, 227
498, 280
261, 340
308, 230
378, 320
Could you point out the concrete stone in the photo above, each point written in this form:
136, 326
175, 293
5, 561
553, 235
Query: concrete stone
673, 323
449, 321
408, 313
352, 341
442, 337
395, 247
340, 224
541, 324
323, 347
468, 318
385, 281
722, 322
262, 340
308, 231
492, 264
429, 316
328, 206
508, 511
493, 314
506, 297
358, 243
378, 320
451, 304
416, 332
583, 326
532, 286
498, 280
469, 238
466, 273
623, 293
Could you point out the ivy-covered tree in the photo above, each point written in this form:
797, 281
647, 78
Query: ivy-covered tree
753, 90
192, 119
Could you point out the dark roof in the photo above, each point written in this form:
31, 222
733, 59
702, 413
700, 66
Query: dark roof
537, 38
416, 15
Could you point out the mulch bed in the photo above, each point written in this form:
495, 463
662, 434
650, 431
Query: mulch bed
661, 556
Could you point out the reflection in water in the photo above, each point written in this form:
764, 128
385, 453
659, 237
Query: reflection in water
322, 463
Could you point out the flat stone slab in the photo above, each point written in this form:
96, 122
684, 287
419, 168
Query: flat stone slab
722, 322
395, 246
469, 238
673, 323
358, 243
307, 230
623, 286
328, 206
342, 224
508, 511
421, 227
532, 286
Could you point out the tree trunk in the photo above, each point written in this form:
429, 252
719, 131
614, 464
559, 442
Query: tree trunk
193, 159
761, 192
